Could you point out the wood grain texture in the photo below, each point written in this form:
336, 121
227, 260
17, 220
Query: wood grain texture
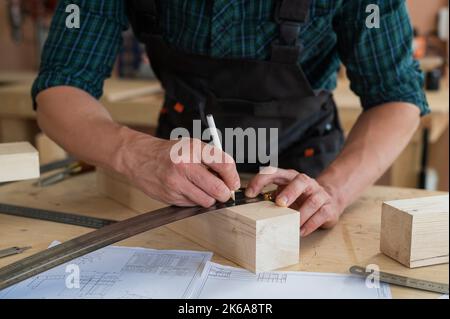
49, 151
18, 161
117, 187
415, 231
259, 236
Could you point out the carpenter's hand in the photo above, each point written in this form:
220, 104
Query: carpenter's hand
154, 166
317, 206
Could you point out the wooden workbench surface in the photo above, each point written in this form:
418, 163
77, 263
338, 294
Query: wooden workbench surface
355, 240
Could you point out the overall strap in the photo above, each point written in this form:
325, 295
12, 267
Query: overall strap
290, 15
143, 17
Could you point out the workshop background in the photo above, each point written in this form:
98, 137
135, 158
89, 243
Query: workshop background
133, 96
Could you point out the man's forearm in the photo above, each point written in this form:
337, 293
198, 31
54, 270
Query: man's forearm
81, 125
375, 141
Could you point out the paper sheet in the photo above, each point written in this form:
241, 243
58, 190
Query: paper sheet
118, 272
225, 282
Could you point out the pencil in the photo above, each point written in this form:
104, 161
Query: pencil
216, 141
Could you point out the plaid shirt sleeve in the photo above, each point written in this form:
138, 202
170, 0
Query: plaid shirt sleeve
82, 57
379, 61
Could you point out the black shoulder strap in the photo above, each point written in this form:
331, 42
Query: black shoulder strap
290, 15
293, 10
143, 17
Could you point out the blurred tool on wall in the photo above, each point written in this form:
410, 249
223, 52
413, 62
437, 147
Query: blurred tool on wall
430, 48
15, 19
40, 11
443, 24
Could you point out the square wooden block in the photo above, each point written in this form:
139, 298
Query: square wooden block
259, 236
18, 161
415, 231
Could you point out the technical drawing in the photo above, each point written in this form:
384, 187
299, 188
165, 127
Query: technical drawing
118, 272
224, 282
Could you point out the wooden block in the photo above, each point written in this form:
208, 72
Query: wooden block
259, 236
18, 161
49, 151
119, 188
415, 231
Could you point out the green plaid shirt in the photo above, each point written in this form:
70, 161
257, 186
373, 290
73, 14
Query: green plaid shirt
379, 61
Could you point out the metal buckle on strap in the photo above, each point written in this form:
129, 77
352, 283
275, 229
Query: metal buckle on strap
289, 32
287, 47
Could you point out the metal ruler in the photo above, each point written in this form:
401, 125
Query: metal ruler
401, 280
110, 234
54, 216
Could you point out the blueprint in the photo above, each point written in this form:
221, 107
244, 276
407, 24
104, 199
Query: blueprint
118, 272
139, 273
225, 282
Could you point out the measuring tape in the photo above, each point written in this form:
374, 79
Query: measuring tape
107, 235
401, 280
54, 216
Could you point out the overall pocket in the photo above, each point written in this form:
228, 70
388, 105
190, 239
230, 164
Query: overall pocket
316, 150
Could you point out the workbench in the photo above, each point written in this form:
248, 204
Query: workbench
354, 241
17, 119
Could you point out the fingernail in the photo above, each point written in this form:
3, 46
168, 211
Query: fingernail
237, 186
302, 231
282, 201
249, 192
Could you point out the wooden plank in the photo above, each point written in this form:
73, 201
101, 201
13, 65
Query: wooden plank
415, 231
439, 159
17, 130
405, 170
138, 89
8, 77
259, 236
118, 188
48, 150
18, 161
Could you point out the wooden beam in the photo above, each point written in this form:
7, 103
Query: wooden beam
259, 236
415, 231
49, 151
18, 161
